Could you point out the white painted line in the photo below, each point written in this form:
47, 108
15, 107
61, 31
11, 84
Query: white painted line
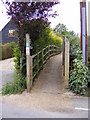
85, 109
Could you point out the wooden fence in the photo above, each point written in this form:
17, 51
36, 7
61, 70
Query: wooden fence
38, 60
35, 62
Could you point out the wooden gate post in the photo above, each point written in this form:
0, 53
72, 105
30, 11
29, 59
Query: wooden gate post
63, 58
28, 61
66, 62
31, 72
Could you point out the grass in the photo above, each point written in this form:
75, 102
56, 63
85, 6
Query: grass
18, 85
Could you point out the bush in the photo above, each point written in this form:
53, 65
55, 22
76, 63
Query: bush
17, 60
47, 38
78, 80
16, 86
7, 50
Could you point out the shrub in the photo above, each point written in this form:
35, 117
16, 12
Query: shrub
17, 57
47, 38
17, 60
16, 86
7, 50
78, 80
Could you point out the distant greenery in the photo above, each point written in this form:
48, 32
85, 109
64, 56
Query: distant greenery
61, 30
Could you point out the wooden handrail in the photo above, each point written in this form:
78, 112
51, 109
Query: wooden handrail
40, 61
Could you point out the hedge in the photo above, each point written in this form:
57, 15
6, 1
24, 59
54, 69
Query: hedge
6, 50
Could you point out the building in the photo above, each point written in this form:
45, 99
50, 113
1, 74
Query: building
8, 33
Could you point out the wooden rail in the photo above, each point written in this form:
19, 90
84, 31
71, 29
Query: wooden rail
38, 60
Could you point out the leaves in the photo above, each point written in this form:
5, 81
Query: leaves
78, 80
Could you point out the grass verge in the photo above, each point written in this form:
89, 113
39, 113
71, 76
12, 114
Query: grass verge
18, 85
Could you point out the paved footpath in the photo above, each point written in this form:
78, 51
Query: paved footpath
50, 79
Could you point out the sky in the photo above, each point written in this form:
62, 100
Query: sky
69, 14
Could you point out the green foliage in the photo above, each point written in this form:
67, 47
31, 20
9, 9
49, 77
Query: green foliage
17, 60
7, 50
16, 86
13, 46
17, 57
61, 30
78, 80
41, 35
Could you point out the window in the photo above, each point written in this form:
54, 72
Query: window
11, 33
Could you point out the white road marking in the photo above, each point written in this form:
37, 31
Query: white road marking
85, 109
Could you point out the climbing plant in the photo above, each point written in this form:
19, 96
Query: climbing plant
78, 80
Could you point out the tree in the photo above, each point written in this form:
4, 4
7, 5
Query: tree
60, 30
23, 12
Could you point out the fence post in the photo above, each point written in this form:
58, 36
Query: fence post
66, 62
42, 56
31, 72
53, 50
37, 61
57, 50
28, 61
63, 58
48, 51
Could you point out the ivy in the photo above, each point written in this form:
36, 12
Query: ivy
78, 80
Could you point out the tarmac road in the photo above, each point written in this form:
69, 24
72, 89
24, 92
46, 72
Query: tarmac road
9, 111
